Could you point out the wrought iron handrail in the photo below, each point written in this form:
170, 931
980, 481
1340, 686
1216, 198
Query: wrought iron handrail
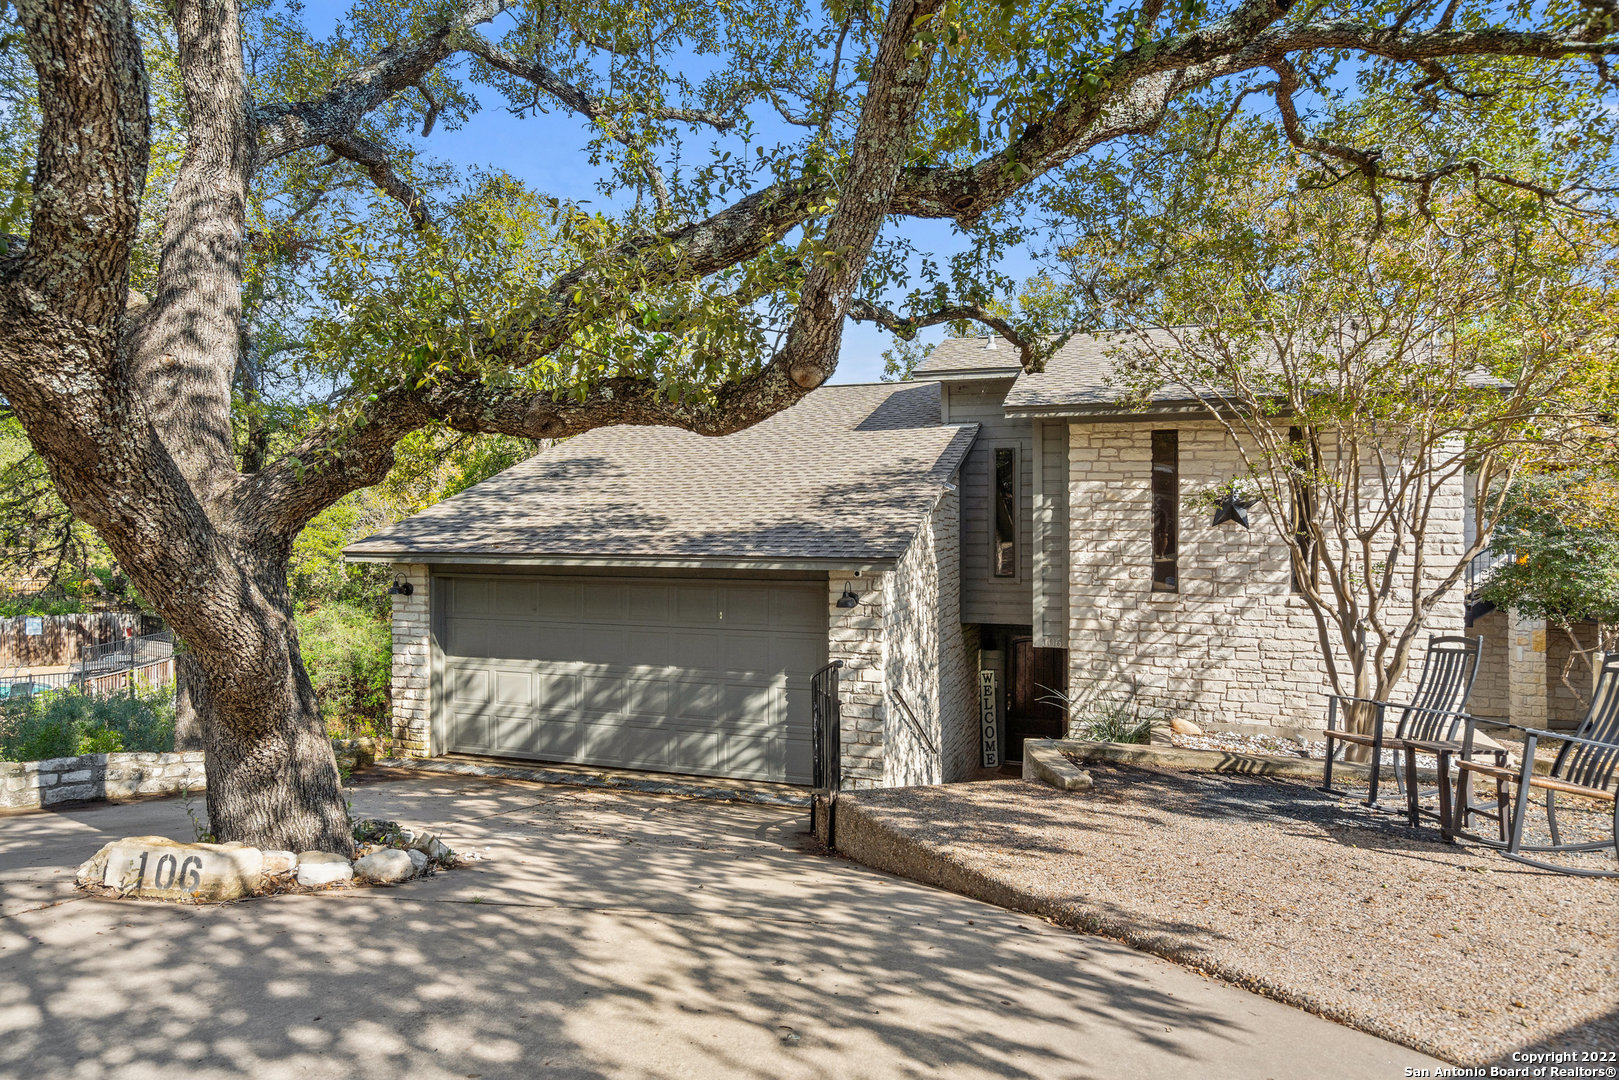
826, 714
917, 731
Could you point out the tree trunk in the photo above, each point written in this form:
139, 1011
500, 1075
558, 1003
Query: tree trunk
272, 777
192, 705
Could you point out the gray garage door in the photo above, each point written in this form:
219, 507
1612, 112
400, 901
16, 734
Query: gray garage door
682, 676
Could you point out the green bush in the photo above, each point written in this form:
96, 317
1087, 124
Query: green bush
64, 723
348, 651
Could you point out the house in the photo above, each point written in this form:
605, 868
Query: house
973, 545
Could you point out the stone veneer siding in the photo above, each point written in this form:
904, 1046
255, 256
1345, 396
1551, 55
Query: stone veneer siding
904, 642
1234, 645
412, 665
99, 776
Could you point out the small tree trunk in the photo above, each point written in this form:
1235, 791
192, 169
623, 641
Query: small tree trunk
272, 777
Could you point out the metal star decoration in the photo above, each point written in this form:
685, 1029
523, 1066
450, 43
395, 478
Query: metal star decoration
1233, 507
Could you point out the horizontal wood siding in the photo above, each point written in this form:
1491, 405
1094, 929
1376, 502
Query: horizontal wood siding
984, 597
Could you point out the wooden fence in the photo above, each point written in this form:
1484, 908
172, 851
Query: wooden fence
60, 638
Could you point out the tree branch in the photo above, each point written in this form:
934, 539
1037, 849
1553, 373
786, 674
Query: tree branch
1032, 353
374, 160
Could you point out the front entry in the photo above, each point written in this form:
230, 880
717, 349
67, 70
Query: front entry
1034, 679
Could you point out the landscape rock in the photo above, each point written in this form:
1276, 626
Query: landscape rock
93, 869
158, 868
323, 868
386, 866
1184, 727
434, 848
280, 862
418, 859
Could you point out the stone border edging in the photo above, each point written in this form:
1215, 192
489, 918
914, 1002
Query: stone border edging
1224, 761
574, 779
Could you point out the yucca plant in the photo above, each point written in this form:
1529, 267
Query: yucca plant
1107, 717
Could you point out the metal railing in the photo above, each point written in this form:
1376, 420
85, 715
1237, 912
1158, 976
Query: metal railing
917, 731
128, 653
826, 714
1479, 568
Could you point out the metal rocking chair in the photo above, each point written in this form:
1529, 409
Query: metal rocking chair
1585, 765
1434, 713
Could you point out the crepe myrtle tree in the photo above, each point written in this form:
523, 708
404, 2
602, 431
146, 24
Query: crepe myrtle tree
180, 148
1364, 358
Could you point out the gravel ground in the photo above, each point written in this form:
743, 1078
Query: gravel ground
1280, 888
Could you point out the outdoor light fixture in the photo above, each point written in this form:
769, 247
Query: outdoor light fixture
400, 587
849, 597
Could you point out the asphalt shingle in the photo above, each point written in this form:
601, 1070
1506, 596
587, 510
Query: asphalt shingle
845, 475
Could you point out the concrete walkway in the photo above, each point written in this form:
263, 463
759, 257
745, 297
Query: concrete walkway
602, 934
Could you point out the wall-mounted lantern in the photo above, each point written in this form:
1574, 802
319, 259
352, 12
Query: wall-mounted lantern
849, 598
400, 587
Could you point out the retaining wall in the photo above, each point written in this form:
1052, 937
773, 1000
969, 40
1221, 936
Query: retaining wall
32, 784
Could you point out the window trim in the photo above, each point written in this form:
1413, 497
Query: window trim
995, 452
1165, 529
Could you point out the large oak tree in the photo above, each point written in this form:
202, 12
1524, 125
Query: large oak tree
714, 301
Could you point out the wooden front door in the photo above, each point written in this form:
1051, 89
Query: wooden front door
1034, 675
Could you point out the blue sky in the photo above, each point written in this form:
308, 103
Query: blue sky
547, 151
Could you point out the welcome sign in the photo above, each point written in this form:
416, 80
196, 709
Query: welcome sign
986, 720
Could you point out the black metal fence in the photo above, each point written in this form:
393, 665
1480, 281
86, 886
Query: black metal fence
826, 711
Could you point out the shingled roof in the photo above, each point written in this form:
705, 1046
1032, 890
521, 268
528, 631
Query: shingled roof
983, 357
843, 477
1078, 374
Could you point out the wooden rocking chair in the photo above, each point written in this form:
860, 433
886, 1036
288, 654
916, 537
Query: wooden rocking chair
1434, 713
1585, 765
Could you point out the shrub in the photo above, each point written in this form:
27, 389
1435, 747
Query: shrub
1108, 717
65, 723
348, 652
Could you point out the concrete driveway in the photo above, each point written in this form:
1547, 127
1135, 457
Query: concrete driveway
601, 935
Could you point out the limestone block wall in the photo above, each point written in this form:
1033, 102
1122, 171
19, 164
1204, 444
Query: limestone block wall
412, 660
1491, 689
1234, 645
904, 648
25, 784
855, 636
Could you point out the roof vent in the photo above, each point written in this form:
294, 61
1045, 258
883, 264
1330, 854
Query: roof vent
989, 342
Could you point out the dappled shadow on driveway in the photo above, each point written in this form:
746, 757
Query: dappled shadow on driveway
607, 935
1275, 885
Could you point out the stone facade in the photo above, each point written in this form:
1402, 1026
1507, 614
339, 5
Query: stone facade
908, 663
27, 784
412, 660
1520, 678
1234, 645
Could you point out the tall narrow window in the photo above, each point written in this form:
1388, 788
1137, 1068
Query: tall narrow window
1166, 497
1003, 553
1301, 467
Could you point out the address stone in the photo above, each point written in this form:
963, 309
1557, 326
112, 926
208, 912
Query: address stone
162, 869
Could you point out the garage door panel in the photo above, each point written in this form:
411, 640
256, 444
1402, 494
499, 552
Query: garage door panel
795, 654
602, 602
746, 607
744, 652
556, 600
686, 676
512, 598
695, 651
